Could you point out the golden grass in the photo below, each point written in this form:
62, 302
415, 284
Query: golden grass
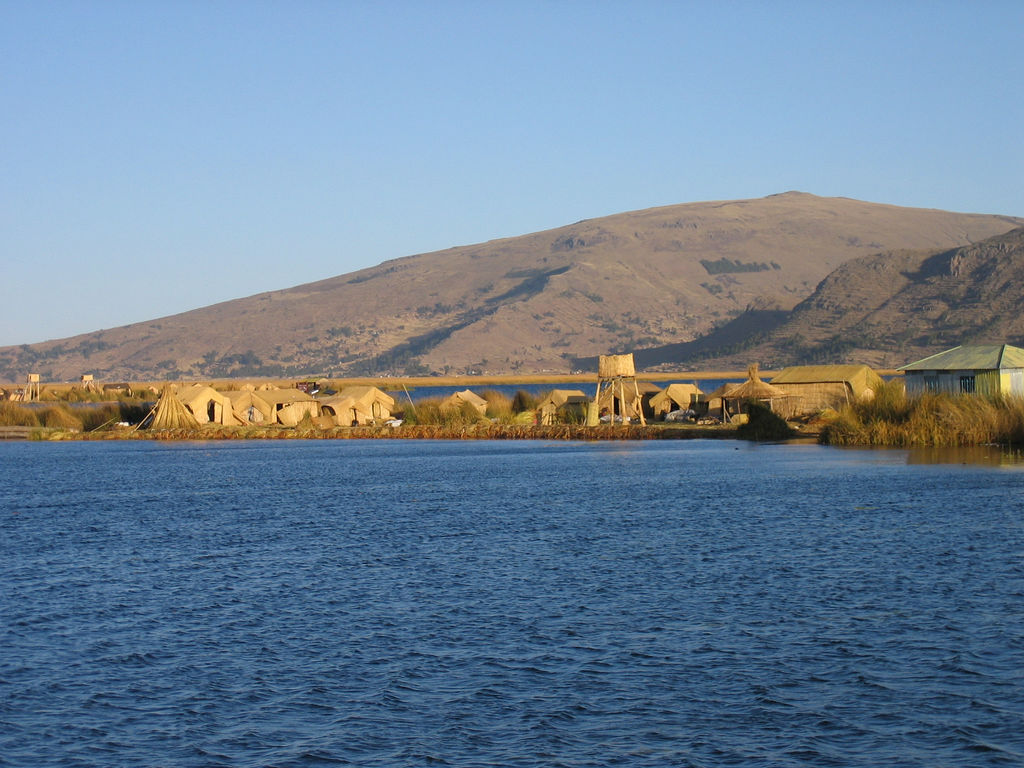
14, 415
930, 419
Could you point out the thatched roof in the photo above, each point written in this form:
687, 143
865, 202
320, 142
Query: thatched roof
754, 388
171, 413
861, 378
559, 397
679, 394
723, 391
611, 366
458, 399
366, 394
284, 396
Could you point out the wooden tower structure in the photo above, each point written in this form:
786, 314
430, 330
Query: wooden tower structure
32, 388
614, 374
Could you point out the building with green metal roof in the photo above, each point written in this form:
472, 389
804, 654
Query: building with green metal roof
984, 369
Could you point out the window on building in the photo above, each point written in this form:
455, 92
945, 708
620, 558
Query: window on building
967, 385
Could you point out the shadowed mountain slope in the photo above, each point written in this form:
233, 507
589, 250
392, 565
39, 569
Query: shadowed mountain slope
889, 309
533, 303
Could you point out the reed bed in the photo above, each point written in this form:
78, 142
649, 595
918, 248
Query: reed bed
930, 419
478, 431
14, 415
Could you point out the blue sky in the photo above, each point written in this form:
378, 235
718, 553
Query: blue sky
159, 157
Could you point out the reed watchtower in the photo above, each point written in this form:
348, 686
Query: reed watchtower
614, 374
32, 388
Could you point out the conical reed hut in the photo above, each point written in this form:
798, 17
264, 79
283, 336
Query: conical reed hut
756, 389
171, 413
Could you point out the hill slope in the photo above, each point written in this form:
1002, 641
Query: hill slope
889, 309
523, 304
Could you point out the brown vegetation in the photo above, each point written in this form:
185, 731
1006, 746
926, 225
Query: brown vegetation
484, 430
932, 419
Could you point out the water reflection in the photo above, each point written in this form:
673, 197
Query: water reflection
986, 455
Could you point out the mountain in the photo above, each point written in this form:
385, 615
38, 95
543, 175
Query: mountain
525, 304
888, 309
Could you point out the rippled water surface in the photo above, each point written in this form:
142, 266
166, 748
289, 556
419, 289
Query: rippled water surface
507, 603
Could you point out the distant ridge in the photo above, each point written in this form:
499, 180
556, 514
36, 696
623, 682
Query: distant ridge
891, 308
696, 273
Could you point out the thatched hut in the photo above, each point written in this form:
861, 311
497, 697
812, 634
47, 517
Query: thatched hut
562, 405
754, 389
171, 413
457, 401
343, 411
248, 408
120, 388
676, 397
208, 405
371, 404
285, 406
716, 400
813, 388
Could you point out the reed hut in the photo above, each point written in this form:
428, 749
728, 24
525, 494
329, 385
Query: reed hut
209, 406
754, 389
813, 388
170, 413
562, 405
120, 388
676, 397
247, 408
984, 369
717, 399
371, 404
284, 406
458, 401
343, 411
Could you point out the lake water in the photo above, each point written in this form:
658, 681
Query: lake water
406, 603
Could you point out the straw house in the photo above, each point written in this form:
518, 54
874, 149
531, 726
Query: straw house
716, 400
371, 404
813, 388
754, 389
676, 397
459, 400
988, 369
284, 406
121, 388
562, 405
170, 413
247, 408
208, 405
343, 411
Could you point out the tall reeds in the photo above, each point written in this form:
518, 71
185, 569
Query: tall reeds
930, 419
14, 415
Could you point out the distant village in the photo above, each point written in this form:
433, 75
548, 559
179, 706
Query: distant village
618, 395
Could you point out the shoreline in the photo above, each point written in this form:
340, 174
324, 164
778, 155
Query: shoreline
565, 432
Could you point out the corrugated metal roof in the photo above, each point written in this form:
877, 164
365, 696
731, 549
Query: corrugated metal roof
975, 357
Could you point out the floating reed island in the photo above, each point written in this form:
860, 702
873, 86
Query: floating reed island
971, 395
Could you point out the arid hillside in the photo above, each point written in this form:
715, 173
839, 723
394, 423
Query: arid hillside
525, 304
886, 310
